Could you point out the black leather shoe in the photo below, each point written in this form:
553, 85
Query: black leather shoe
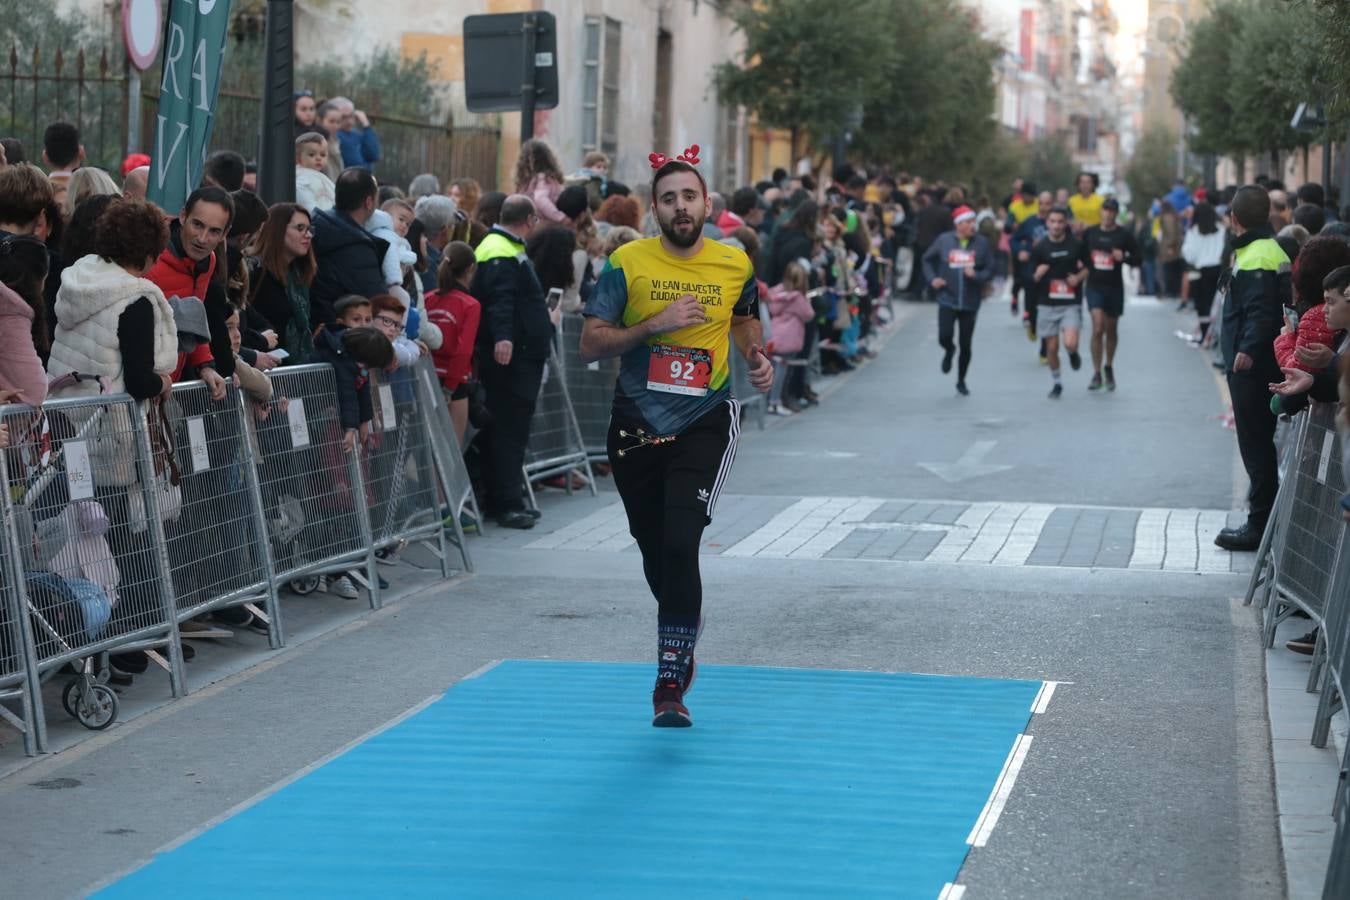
515, 519
533, 513
1246, 538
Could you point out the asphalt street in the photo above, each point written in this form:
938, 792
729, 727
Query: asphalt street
1150, 772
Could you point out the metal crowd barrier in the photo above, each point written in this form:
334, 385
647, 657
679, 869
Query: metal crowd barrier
556, 446
120, 520
17, 679
219, 554
85, 556
314, 495
591, 386
400, 470
753, 402
448, 458
1304, 564
1298, 553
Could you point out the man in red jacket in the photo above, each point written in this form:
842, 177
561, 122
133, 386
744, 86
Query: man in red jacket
185, 269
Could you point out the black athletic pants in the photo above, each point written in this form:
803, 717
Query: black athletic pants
1202, 294
948, 319
669, 490
1255, 425
512, 392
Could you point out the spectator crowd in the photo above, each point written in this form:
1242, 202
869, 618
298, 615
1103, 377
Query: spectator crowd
103, 292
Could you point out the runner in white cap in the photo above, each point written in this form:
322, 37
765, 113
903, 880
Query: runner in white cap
957, 266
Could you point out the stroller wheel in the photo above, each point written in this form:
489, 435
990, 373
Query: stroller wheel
307, 585
94, 705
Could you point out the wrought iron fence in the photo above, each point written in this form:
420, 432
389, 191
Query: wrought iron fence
90, 88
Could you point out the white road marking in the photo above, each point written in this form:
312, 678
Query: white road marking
776, 527
1042, 701
952, 891
839, 528
1212, 559
998, 798
598, 519
959, 539
1024, 535
985, 533
1183, 551
994, 533
1150, 539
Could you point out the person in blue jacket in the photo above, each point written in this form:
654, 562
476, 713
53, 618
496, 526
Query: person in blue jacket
360, 145
957, 266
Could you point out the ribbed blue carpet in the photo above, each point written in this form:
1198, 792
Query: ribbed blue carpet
545, 779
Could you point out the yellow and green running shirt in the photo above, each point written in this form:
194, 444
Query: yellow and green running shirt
674, 379
1087, 210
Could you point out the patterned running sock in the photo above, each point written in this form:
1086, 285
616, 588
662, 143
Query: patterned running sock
675, 649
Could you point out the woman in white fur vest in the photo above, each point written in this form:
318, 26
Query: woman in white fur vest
114, 325
110, 321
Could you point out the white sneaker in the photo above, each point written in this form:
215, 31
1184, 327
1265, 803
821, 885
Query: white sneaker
777, 410
342, 586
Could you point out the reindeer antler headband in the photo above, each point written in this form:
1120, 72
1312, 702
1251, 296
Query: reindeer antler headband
690, 155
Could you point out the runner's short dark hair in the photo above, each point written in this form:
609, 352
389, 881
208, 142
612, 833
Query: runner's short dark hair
673, 166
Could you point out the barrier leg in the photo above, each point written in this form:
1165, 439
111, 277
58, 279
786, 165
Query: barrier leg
150, 495
34, 724
276, 636
358, 492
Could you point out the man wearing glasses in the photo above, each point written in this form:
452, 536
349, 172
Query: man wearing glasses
514, 337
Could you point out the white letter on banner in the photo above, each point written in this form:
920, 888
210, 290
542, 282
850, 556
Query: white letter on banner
162, 161
199, 75
172, 54
205, 6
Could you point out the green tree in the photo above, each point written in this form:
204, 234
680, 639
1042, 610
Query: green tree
933, 110
1049, 164
1261, 92
807, 64
1152, 167
1200, 81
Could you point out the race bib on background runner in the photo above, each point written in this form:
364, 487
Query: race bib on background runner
960, 259
679, 370
1060, 289
1103, 260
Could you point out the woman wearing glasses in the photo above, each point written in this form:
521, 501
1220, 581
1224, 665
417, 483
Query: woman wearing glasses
283, 267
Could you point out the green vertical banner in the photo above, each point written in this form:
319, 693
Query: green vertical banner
194, 48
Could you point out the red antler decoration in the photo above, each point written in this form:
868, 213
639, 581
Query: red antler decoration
690, 155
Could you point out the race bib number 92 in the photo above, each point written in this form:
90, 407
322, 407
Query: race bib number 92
679, 370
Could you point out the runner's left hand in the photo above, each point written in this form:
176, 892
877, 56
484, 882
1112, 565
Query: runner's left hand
761, 370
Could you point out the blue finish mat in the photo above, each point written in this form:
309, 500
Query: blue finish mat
546, 779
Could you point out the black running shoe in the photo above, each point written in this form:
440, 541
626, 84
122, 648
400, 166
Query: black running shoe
668, 709
947, 361
1096, 383
1110, 378
1075, 360
1056, 391
962, 389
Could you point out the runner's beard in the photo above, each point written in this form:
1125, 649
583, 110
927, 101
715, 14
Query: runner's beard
681, 239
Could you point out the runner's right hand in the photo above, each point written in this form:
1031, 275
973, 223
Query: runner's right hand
682, 313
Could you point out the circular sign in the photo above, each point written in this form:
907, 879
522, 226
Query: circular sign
142, 28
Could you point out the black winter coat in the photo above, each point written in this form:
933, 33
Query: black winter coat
514, 307
349, 260
353, 379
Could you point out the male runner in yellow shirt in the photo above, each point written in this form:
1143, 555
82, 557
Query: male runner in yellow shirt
670, 308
